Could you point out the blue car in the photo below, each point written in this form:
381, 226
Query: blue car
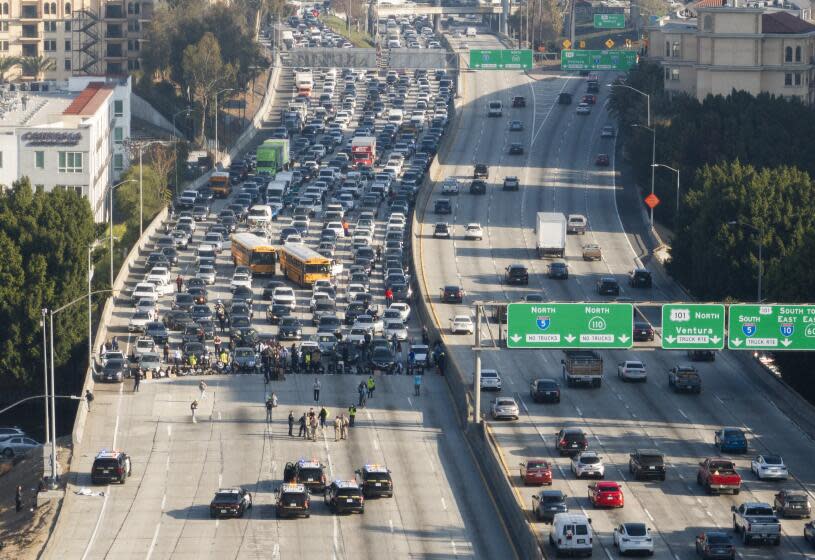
731, 440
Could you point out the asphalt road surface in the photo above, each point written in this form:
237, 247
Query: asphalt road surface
557, 173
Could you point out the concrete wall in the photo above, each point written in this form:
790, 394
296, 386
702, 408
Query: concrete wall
141, 109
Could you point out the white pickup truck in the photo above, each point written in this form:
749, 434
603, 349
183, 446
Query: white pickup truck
756, 521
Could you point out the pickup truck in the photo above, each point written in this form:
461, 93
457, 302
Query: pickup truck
582, 366
684, 377
756, 521
718, 475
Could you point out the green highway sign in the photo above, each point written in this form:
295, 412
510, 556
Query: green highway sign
597, 60
500, 59
609, 21
570, 325
692, 326
771, 327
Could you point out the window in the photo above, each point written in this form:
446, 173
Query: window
39, 187
53, 8
708, 23
67, 26
67, 45
46, 8
67, 64
667, 48
788, 79
118, 162
67, 8
133, 64
118, 108
797, 78
797, 54
676, 50
70, 162
39, 159
118, 135
49, 45
3, 26
3, 46
1, 160
788, 54
675, 74
667, 74
76, 188
5, 8
49, 26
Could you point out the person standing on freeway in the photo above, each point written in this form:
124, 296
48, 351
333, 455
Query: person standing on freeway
417, 384
136, 380
317, 386
179, 282
291, 423
337, 427
193, 408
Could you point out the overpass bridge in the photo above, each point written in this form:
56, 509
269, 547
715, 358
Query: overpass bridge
386, 10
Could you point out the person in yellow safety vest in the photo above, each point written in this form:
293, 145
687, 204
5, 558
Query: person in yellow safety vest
193, 360
224, 357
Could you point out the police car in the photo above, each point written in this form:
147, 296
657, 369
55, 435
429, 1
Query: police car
343, 496
110, 466
230, 502
308, 472
375, 480
293, 501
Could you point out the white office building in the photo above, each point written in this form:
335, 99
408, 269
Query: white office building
72, 136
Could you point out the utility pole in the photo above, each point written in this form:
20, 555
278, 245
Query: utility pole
44, 312
477, 376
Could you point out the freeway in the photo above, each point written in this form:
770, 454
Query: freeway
557, 173
440, 509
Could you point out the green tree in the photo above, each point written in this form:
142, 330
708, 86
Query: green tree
6, 64
126, 199
35, 66
205, 72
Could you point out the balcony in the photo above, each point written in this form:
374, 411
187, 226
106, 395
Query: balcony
114, 12
29, 13
115, 33
114, 52
27, 37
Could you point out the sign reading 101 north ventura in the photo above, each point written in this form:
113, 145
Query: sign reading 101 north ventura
688, 326
570, 325
771, 327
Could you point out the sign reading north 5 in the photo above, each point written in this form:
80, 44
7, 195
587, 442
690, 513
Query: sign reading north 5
500, 59
570, 325
771, 327
693, 326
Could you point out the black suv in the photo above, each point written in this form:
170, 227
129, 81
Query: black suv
478, 186
452, 294
309, 473
293, 501
547, 503
517, 274
608, 286
639, 278
570, 441
564, 98
442, 206
647, 463
230, 502
511, 183
343, 496
519, 101
544, 390
110, 466
480, 171
375, 480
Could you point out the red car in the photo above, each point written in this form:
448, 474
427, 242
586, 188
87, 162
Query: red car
590, 99
536, 471
606, 494
602, 160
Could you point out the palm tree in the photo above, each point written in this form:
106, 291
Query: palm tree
35, 66
6, 64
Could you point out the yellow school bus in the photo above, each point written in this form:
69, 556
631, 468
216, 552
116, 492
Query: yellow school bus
250, 250
303, 265
219, 184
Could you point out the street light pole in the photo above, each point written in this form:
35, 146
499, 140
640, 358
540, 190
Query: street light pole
677, 182
111, 224
53, 412
45, 376
646, 95
217, 152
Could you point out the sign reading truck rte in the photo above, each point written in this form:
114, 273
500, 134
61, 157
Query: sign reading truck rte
692, 326
570, 325
771, 327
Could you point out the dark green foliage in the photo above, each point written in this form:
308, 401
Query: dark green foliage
44, 239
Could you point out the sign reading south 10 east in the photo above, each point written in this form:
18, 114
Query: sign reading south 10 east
693, 326
771, 327
570, 325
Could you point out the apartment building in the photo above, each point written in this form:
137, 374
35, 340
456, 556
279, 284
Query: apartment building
82, 37
725, 48
72, 138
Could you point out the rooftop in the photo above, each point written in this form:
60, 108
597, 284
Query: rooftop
784, 22
27, 108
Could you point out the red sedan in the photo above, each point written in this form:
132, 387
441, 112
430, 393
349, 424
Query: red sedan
590, 99
606, 494
536, 471
602, 160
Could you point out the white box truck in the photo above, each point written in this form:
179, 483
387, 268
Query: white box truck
550, 234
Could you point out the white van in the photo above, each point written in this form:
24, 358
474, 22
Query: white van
495, 108
275, 189
395, 116
259, 215
571, 534
470, 32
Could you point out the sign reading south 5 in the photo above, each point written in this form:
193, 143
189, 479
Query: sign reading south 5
771, 327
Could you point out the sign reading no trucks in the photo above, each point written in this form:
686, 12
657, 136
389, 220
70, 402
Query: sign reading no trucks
771, 327
692, 326
570, 325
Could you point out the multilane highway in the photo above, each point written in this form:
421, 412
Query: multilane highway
440, 508
557, 173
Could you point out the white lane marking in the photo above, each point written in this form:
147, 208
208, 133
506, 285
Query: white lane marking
648, 513
219, 415
453, 543
718, 398
376, 444
610, 557
410, 401
390, 524
336, 536
276, 551
169, 430
220, 480
579, 413
685, 416
443, 504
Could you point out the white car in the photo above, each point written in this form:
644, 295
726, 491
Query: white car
632, 370
474, 231
505, 407
139, 321
588, 463
147, 306
450, 186
395, 328
336, 227
145, 290
769, 466
490, 380
206, 273
461, 324
160, 276
144, 345
402, 308
633, 537
17, 445
583, 109
355, 289
284, 294
240, 280
322, 285
319, 297
356, 335
293, 238
376, 326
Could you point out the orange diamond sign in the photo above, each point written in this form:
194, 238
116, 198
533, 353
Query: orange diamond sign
651, 200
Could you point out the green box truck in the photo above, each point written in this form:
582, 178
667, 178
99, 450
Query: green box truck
272, 156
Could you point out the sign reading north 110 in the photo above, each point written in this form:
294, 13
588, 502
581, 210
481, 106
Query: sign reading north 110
771, 327
570, 325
